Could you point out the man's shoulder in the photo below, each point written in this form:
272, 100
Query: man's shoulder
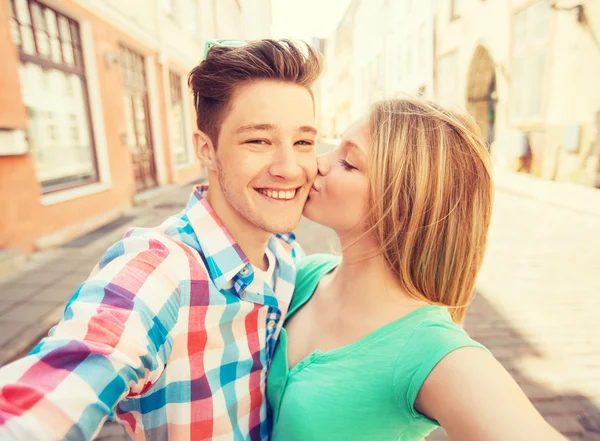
153, 247
291, 246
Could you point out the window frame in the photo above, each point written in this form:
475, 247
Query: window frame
529, 48
176, 98
48, 63
453, 14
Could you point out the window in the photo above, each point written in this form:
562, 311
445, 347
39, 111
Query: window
530, 35
409, 55
455, 9
167, 7
192, 6
398, 65
421, 48
447, 80
178, 144
54, 91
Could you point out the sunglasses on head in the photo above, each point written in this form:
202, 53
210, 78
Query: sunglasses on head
219, 42
222, 42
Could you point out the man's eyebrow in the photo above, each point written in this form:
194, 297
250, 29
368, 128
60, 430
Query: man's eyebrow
253, 127
307, 129
273, 127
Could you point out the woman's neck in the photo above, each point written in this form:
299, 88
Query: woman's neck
364, 275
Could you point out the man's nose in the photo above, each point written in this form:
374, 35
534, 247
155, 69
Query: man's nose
285, 164
324, 163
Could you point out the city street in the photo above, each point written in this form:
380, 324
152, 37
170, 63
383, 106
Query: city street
536, 307
99, 100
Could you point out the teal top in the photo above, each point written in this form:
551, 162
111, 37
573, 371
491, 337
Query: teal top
366, 390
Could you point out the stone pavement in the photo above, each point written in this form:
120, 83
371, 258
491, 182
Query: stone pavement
32, 300
536, 308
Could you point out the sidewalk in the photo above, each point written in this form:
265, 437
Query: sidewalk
32, 300
575, 197
546, 339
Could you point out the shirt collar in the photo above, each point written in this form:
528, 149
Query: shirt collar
223, 256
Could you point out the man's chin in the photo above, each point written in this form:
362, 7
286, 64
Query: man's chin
280, 227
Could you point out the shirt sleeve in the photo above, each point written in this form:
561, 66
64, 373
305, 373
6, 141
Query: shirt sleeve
112, 342
427, 346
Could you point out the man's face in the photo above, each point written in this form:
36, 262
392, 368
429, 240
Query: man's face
265, 160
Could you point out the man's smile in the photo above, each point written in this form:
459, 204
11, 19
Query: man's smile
279, 194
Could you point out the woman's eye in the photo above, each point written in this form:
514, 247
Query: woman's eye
257, 141
346, 165
305, 142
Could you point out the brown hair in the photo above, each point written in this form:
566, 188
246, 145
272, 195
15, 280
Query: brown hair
215, 79
431, 190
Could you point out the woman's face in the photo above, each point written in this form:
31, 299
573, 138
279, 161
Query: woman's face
340, 193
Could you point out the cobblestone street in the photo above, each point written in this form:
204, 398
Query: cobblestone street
536, 309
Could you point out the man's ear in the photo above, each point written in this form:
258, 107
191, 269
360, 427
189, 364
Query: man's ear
204, 149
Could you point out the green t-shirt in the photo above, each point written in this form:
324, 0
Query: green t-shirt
367, 389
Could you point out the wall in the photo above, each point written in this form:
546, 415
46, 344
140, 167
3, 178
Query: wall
26, 218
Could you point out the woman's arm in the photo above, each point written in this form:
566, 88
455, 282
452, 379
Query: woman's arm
475, 399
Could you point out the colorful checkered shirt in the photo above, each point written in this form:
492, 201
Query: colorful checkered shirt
171, 335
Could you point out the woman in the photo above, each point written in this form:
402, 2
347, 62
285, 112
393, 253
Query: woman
372, 348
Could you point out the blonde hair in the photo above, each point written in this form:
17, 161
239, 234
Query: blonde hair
431, 193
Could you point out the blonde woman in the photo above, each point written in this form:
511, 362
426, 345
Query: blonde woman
372, 348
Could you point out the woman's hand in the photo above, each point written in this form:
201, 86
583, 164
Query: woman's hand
475, 399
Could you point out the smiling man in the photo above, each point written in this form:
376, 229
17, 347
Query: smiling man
173, 333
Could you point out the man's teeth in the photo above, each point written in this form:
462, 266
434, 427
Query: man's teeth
281, 195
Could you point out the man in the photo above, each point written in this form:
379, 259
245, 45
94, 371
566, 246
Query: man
173, 332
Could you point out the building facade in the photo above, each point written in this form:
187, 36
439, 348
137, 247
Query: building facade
381, 48
337, 79
527, 70
94, 106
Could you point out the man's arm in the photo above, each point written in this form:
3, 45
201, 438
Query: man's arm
113, 342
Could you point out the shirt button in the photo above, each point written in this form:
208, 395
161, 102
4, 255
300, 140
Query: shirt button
270, 324
244, 271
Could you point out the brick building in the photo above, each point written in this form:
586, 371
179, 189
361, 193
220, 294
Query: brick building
94, 107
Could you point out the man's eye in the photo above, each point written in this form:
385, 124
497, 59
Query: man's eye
346, 165
257, 141
305, 142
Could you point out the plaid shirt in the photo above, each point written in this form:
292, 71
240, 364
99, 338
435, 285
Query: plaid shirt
171, 335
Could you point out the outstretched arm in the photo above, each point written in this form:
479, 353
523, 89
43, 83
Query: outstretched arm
112, 342
475, 399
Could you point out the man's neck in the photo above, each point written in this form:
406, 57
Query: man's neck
252, 240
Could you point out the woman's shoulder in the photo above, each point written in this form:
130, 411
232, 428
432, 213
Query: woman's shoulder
316, 265
434, 333
315, 261
432, 339
310, 270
